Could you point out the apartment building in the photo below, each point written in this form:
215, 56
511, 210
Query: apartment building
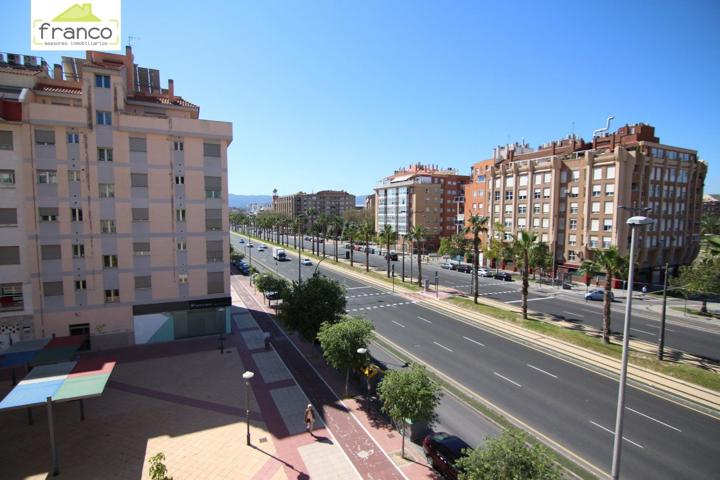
114, 204
570, 193
711, 203
329, 202
422, 195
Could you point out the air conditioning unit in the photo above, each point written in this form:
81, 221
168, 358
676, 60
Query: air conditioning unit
13, 58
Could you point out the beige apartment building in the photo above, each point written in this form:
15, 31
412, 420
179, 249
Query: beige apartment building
570, 193
113, 196
329, 202
422, 195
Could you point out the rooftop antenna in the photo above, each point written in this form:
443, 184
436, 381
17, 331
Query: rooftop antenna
573, 128
132, 39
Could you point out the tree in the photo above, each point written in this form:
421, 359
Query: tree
158, 470
270, 283
495, 248
614, 266
323, 222
340, 342
311, 213
336, 225
508, 457
710, 224
309, 304
453, 246
522, 245
701, 278
366, 231
476, 225
388, 236
540, 258
418, 234
350, 232
409, 394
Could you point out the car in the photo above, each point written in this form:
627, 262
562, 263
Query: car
273, 295
446, 266
442, 450
598, 294
464, 267
250, 245
484, 272
242, 241
505, 276
306, 261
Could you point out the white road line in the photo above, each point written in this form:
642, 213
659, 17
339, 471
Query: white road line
571, 313
356, 288
654, 419
541, 370
474, 341
399, 324
531, 299
655, 326
613, 433
424, 319
442, 346
507, 379
641, 331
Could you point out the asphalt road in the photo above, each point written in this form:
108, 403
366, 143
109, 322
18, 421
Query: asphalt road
567, 403
561, 304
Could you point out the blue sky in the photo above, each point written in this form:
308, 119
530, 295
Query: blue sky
337, 94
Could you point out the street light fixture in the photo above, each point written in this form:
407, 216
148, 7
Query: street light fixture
247, 376
635, 223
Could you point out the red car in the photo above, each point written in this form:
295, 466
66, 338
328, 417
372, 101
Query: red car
442, 451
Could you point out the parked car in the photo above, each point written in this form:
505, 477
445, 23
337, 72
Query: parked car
505, 276
463, 267
272, 295
242, 241
306, 261
446, 266
598, 294
484, 272
442, 451
250, 245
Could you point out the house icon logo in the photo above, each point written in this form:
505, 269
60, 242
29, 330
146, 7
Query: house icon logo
67, 25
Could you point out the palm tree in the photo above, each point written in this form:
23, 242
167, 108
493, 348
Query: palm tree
366, 231
409, 237
388, 236
300, 227
323, 221
614, 265
476, 225
419, 233
350, 233
522, 246
311, 212
337, 226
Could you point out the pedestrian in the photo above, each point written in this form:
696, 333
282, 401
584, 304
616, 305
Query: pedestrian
644, 291
309, 419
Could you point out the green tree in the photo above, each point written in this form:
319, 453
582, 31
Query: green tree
614, 266
351, 232
540, 258
270, 283
158, 470
710, 224
366, 232
701, 278
508, 457
388, 236
323, 222
409, 394
309, 304
418, 234
523, 243
476, 226
340, 342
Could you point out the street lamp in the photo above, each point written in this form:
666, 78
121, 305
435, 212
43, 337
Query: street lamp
635, 223
247, 376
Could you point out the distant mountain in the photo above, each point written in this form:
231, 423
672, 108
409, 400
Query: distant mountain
242, 201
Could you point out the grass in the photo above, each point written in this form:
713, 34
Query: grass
688, 373
694, 311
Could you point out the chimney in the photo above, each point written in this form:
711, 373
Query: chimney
57, 72
171, 88
128, 52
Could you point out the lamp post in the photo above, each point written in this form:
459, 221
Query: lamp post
661, 339
635, 223
247, 376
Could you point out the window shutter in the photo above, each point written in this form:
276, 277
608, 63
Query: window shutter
50, 252
48, 211
211, 149
140, 215
141, 247
9, 255
45, 137
213, 183
143, 282
138, 180
214, 250
215, 282
52, 289
8, 216
213, 219
138, 144
6, 140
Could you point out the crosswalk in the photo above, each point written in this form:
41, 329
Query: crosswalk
367, 295
375, 307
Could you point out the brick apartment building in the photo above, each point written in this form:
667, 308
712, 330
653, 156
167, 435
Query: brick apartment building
570, 191
113, 196
422, 195
329, 202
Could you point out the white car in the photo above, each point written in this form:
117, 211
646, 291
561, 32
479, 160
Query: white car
306, 261
484, 272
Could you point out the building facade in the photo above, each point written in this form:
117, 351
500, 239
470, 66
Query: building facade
422, 195
114, 204
329, 202
711, 204
570, 193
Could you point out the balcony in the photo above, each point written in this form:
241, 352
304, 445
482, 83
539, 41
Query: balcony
208, 129
43, 113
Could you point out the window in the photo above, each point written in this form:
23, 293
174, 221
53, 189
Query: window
52, 289
508, 223
102, 81
523, 180
510, 181
573, 208
181, 245
536, 208
596, 190
547, 178
9, 255
544, 238
546, 193
78, 250
6, 140
593, 242
609, 207
214, 251
610, 189
537, 193
573, 224
607, 242
213, 219
572, 255
538, 178
610, 174
497, 195
595, 207
45, 137
496, 208
546, 208
8, 217
563, 176
143, 282
74, 175
572, 240
178, 146
76, 214
508, 208
180, 214
50, 252
7, 177
112, 295
139, 180
545, 222
522, 194
536, 222
563, 192
575, 175
508, 195
107, 226
105, 155
497, 182
107, 190
138, 144
213, 187
211, 149
607, 225
73, 138
103, 117
522, 209
597, 173
48, 214
141, 248
140, 215
80, 284
594, 225
110, 261
182, 278
522, 223
47, 176
179, 180
574, 192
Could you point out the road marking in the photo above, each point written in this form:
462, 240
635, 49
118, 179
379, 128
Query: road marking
655, 326
424, 319
356, 288
400, 324
654, 419
531, 299
571, 313
442, 346
474, 341
541, 370
507, 379
641, 331
613, 433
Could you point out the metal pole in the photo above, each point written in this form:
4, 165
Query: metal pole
51, 427
617, 445
661, 339
247, 409
403, 264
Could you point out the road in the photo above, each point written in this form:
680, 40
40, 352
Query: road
560, 304
568, 404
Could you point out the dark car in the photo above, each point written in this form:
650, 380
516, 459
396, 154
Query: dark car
503, 276
442, 451
462, 267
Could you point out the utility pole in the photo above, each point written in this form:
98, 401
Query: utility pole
661, 339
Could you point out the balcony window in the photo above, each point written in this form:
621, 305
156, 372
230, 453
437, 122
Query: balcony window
180, 215
48, 214
76, 215
110, 261
107, 226
102, 81
6, 140
105, 154
103, 118
7, 178
78, 250
107, 190
47, 177
73, 138
179, 180
178, 146
112, 295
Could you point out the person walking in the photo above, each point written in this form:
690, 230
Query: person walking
309, 419
644, 291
